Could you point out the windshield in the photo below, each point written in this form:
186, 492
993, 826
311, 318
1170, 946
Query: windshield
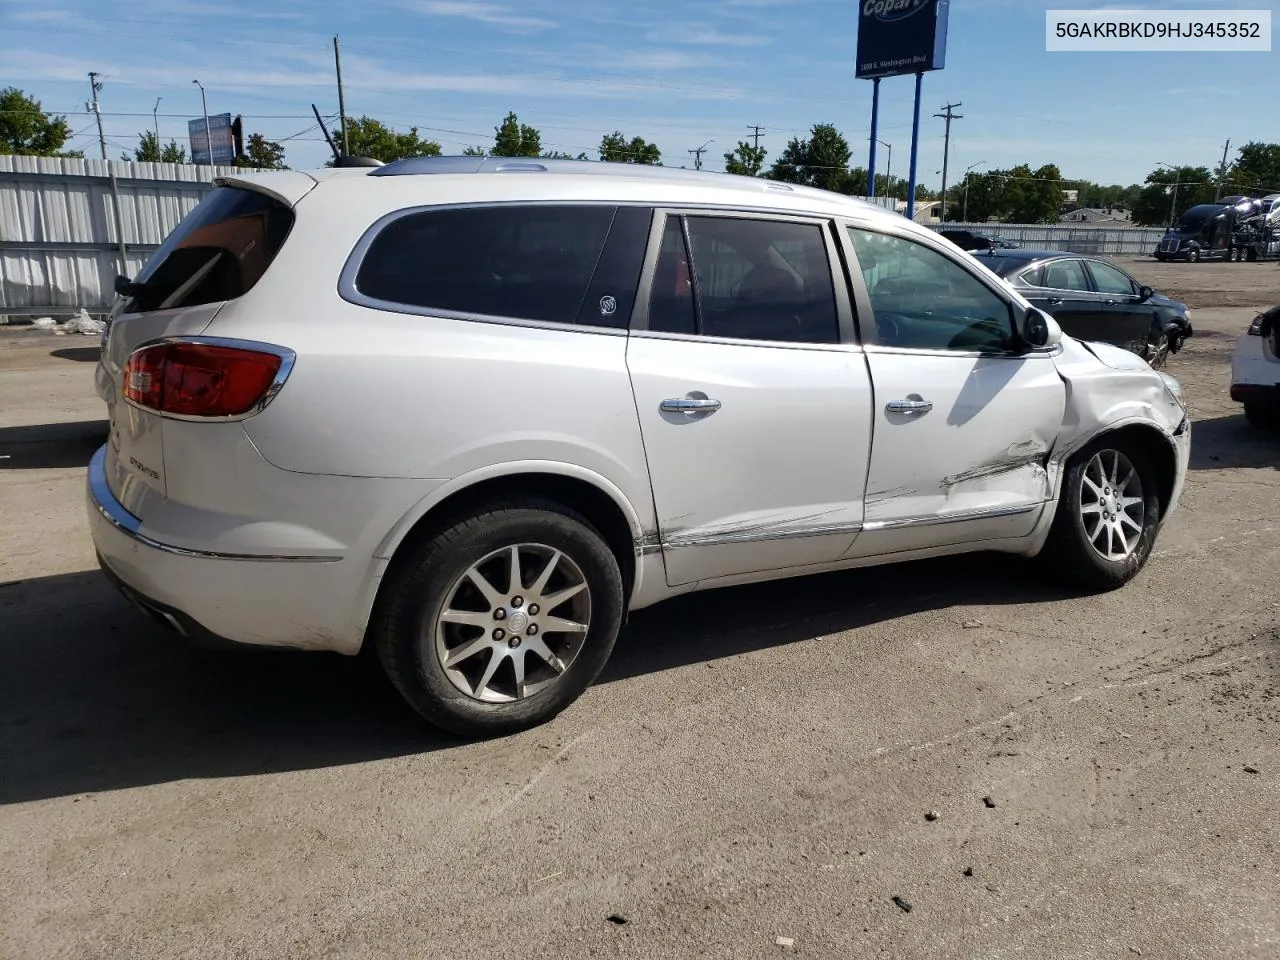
218, 252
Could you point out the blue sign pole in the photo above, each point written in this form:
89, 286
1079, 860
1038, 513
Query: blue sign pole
875, 129
915, 143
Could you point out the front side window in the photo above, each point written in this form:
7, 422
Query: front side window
525, 262
218, 252
923, 300
1111, 280
1065, 275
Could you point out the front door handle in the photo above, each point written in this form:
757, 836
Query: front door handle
1109, 302
690, 406
912, 406
1055, 300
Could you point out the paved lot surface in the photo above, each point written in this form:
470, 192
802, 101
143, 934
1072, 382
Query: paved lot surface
756, 764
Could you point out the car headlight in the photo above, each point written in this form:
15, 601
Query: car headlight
1174, 388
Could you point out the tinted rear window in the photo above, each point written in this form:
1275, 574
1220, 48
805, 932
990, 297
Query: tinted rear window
1004, 266
532, 262
218, 252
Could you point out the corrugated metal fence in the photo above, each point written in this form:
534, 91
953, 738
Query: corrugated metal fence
1077, 238
58, 236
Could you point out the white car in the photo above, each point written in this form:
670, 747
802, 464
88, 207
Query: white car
472, 411
1255, 370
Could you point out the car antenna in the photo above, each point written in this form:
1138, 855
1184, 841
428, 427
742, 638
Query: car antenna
340, 159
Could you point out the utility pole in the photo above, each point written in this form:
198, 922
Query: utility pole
755, 135
96, 85
1222, 170
697, 154
946, 148
208, 134
342, 104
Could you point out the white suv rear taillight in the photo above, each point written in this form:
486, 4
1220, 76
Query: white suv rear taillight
206, 377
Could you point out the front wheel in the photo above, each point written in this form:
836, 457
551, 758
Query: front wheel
1108, 515
1194, 256
500, 621
1160, 352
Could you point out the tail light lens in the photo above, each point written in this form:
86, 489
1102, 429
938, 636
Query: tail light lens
200, 379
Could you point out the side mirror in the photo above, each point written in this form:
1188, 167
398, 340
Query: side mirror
1038, 330
1145, 294
127, 288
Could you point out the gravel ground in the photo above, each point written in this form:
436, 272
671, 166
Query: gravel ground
753, 776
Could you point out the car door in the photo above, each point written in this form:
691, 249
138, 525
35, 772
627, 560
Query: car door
965, 417
754, 401
1061, 289
1127, 319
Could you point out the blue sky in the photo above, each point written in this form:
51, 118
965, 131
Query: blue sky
677, 74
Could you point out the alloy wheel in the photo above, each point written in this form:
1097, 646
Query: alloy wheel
513, 623
1112, 505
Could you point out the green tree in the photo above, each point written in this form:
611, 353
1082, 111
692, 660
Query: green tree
372, 138
473, 152
1157, 202
262, 154
515, 139
149, 150
821, 161
745, 160
561, 155
615, 148
1257, 169
26, 129
1035, 196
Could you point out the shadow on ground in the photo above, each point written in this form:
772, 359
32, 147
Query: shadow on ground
51, 444
1230, 441
78, 354
95, 697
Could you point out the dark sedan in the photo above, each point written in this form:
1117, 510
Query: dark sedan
1095, 300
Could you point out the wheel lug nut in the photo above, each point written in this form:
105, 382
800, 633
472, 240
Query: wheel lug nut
513, 642
533, 629
517, 601
533, 609
500, 614
499, 634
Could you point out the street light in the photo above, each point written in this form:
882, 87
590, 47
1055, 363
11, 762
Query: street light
888, 180
208, 134
155, 119
965, 215
1173, 206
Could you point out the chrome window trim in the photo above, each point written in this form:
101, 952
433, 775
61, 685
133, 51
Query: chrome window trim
287, 360
113, 511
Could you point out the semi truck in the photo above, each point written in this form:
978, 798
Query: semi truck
1233, 228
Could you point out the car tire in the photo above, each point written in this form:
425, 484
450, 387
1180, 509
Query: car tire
433, 608
1077, 540
1193, 256
1159, 352
1262, 417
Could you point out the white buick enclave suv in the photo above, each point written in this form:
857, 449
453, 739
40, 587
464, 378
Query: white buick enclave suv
471, 411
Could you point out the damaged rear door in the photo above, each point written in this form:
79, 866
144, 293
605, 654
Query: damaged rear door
964, 420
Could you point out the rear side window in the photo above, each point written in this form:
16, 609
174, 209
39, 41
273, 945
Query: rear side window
218, 252
533, 262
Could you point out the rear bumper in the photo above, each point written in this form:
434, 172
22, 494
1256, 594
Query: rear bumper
1255, 377
277, 600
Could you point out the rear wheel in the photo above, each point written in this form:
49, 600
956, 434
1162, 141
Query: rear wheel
1194, 256
1108, 515
499, 622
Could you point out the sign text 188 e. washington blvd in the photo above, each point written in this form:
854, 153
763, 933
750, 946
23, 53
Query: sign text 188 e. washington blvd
901, 36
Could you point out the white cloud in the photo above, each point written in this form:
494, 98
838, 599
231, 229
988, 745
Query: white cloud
495, 14
704, 34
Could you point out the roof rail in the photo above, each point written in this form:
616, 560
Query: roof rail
415, 166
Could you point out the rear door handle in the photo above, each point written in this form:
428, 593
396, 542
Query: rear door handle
913, 407
689, 406
1109, 302
1055, 300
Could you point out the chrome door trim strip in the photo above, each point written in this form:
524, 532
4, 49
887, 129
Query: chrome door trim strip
961, 517
696, 539
115, 514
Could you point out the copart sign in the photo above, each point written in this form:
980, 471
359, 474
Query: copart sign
901, 36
